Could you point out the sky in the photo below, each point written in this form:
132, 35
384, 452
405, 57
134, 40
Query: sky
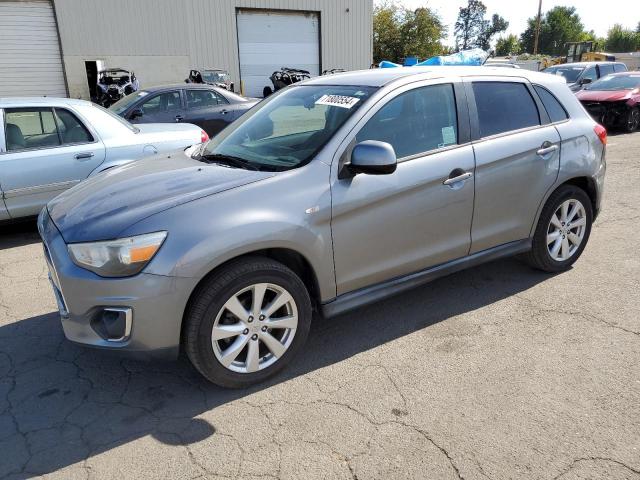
596, 15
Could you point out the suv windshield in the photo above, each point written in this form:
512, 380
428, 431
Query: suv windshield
615, 82
570, 74
288, 129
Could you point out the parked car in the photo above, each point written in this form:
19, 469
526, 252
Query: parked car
336, 192
579, 74
50, 144
211, 76
113, 84
614, 100
283, 78
210, 108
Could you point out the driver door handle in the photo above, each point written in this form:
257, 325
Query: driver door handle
546, 147
459, 178
179, 118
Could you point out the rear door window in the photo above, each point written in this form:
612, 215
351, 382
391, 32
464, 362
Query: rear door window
203, 99
504, 106
27, 128
552, 105
416, 121
71, 129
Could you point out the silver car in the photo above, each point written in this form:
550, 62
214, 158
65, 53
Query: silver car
49, 144
331, 194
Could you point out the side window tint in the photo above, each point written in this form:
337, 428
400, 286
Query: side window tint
165, 102
620, 67
30, 128
504, 106
416, 121
71, 129
221, 99
606, 69
554, 108
201, 98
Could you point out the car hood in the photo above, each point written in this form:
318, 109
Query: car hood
103, 206
603, 96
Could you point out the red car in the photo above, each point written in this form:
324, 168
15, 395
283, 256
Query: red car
614, 100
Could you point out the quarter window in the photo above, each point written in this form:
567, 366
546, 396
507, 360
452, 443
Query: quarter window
416, 121
504, 106
554, 108
30, 128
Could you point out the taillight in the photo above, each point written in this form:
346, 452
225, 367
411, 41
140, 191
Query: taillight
601, 132
205, 138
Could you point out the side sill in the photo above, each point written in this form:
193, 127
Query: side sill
364, 296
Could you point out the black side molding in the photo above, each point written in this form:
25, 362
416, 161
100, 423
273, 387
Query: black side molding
352, 300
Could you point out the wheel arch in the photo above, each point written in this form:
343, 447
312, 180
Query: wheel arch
291, 258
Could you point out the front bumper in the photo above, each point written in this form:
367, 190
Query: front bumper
153, 305
609, 114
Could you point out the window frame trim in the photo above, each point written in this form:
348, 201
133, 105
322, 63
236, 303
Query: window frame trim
476, 137
462, 118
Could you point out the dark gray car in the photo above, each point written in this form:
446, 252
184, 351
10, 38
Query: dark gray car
211, 108
331, 194
579, 74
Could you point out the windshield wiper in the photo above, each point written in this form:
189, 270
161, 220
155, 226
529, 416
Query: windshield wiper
229, 160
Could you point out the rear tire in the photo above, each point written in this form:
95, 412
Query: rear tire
562, 231
231, 335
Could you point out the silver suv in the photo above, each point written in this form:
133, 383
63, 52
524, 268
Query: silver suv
331, 194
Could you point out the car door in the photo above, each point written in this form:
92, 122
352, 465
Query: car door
165, 107
388, 226
207, 109
517, 155
47, 150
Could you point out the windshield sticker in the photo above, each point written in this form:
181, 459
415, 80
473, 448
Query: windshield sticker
341, 101
448, 135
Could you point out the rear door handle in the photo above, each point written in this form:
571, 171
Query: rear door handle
83, 155
546, 147
224, 112
458, 178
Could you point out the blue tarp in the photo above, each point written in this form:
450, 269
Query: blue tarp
475, 56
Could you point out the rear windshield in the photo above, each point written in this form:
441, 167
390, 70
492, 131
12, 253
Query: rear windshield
570, 74
615, 82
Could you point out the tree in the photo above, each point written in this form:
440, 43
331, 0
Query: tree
620, 39
557, 27
509, 45
399, 32
472, 30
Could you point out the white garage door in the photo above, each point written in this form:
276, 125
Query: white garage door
268, 41
30, 63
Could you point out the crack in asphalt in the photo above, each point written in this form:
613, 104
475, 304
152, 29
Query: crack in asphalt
577, 461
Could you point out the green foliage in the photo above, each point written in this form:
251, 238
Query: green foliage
557, 27
399, 32
509, 45
620, 39
472, 30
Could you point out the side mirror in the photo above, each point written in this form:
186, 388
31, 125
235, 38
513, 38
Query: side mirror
136, 113
584, 81
371, 157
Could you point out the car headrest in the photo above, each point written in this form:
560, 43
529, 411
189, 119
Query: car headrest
15, 138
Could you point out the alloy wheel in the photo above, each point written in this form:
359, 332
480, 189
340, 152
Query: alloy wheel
633, 120
254, 328
566, 230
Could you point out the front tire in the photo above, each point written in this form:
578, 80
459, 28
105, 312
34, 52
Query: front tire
562, 231
246, 322
632, 120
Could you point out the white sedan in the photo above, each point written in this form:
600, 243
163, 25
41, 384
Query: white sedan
47, 145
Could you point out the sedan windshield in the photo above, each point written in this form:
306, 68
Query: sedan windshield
122, 104
615, 82
570, 74
288, 129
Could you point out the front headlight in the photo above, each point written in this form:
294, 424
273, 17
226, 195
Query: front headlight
117, 258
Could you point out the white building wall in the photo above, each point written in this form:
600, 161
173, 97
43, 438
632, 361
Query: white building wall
161, 39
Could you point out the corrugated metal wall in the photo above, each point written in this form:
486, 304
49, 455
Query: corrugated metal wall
195, 33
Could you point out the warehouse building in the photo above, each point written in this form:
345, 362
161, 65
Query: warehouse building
55, 47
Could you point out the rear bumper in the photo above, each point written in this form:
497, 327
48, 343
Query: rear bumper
154, 304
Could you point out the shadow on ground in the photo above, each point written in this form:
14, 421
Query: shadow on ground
60, 403
18, 234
